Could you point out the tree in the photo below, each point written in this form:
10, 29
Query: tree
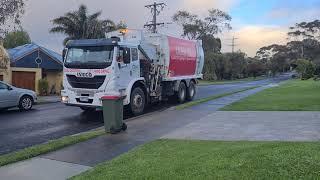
195, 28
205, 29
81, 25
16, 38
276, 57
255, 67
4, 60
212, 44
10, 13
305, 68
306, 30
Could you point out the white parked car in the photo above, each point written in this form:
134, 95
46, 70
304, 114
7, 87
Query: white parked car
11, 96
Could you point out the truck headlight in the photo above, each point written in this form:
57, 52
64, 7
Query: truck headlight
64, 99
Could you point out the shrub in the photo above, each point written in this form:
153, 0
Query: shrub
306, 69
43, 87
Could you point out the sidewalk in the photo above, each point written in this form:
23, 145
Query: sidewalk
48, 99
199, 122
253, 126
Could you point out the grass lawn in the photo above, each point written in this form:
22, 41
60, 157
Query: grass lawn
295, 95
199, 101
50, 146
183, 159
204, 82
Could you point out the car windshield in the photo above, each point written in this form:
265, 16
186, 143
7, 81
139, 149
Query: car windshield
89, 57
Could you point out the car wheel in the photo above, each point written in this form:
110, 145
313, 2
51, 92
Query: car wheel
25, 103
191, 91
137, 101
181, 94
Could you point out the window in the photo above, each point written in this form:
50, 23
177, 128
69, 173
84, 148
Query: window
124, 55
95, 57
3, 86
134, 54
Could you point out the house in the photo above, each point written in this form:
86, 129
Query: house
29, 63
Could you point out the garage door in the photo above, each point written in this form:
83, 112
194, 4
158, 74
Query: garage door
1, 77
24, 79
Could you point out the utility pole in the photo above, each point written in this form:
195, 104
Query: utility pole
156, 8
233, 43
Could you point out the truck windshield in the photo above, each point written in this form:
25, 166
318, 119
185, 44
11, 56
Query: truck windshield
97, 57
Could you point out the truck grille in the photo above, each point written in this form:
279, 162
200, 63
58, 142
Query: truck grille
87, 83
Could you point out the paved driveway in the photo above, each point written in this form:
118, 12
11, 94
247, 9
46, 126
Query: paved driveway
256, 126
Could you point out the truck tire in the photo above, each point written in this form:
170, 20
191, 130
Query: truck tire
137, 101
182, 91
191, 92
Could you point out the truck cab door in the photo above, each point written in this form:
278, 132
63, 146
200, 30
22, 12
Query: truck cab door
124, 64
135, 63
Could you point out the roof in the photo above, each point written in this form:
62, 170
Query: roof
21, 51
92, 42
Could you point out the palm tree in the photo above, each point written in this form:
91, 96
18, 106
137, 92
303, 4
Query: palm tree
80, 25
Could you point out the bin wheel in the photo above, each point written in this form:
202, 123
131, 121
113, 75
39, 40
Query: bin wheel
124, 127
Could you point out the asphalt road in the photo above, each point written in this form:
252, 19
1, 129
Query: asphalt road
51, 121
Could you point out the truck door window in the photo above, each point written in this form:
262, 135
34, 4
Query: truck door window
134, 54
124, 55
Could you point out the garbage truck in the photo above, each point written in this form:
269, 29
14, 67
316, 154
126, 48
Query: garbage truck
142, 67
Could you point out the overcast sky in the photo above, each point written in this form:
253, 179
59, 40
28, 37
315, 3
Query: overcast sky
255, 23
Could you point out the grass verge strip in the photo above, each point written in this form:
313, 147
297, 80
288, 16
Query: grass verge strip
196, 102
293, 95
193, 159
50, 146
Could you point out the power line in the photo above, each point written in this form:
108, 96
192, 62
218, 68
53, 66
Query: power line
155, 8
233, 43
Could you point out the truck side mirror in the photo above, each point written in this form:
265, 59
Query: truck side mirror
64, 51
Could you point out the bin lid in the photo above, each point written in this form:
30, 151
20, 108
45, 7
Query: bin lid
111, 97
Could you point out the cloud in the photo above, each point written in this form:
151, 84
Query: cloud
39, 13
293, 15
253, 37
202, 6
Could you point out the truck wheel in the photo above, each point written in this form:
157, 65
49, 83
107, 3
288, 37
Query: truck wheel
137, 101
191, 91
25, 103
182, 91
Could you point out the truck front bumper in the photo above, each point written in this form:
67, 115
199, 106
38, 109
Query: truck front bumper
72, 99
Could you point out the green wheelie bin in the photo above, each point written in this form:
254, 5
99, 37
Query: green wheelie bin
113, 114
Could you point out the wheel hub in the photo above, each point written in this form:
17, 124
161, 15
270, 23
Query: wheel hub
26, 103
183, 93
191, 91
137, 101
